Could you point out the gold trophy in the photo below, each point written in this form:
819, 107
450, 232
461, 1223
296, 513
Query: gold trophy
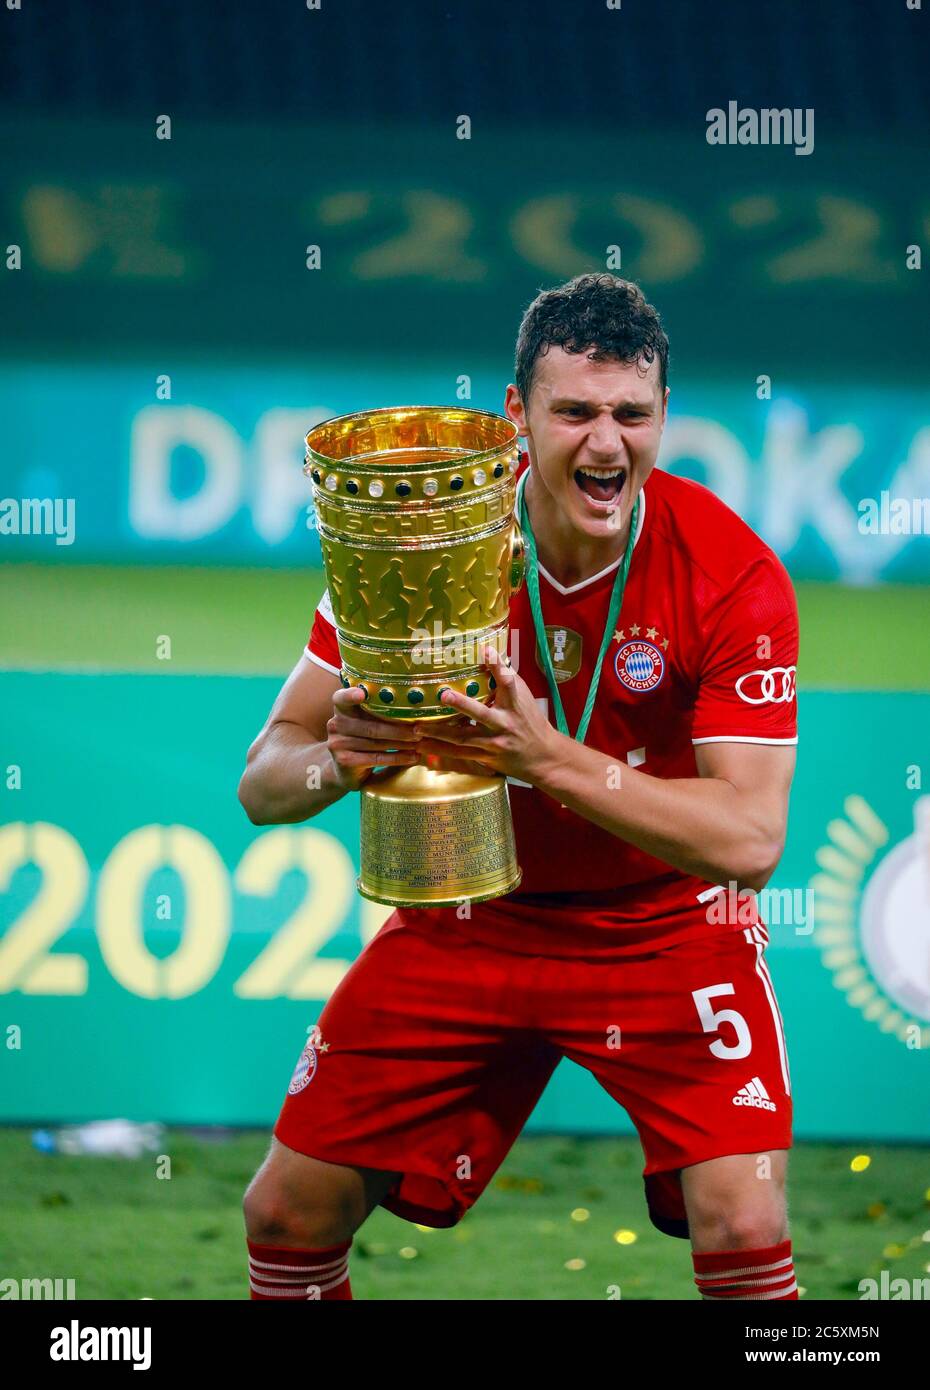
422, 551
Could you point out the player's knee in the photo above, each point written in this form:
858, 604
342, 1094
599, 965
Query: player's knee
749, 1219
265, 1222
750, 1226
757, 1233
273, 1216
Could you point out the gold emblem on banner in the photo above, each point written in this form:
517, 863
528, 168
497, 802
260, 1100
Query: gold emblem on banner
871, 917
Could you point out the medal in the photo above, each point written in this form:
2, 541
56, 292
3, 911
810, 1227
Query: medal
616, 602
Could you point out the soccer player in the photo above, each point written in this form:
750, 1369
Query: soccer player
648, 735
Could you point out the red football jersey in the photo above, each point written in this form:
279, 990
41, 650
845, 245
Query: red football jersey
704, 651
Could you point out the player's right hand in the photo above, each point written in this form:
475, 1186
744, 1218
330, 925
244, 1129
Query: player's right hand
359, 741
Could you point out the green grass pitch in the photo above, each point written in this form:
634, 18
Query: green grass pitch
546, 1228
256, 622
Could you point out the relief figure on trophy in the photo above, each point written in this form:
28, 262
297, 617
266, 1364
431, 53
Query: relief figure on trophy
438, 583
396, 595
480, 584
347, 594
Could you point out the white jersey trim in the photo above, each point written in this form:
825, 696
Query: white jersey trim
741, 738
574, 588
311, 656
756, 939
325, 610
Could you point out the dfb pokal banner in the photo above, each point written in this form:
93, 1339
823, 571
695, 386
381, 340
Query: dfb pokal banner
205, 465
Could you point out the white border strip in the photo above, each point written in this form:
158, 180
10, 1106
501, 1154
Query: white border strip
762, 971
742, 738
311, 656
710, 893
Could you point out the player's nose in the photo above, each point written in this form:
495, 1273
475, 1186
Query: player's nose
605, 442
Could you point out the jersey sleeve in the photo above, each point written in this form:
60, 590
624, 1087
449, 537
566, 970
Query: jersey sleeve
322, 646
746, 690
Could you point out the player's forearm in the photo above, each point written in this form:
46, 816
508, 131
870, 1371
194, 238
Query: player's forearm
701, 825
288, 778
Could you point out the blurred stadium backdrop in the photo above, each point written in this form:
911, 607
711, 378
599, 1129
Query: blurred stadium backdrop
166, 344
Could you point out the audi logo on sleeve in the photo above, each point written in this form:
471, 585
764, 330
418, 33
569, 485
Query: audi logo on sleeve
772, 687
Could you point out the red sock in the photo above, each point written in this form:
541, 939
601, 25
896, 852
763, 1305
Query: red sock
276, 1271
766, 1273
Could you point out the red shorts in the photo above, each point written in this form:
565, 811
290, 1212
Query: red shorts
434, 1049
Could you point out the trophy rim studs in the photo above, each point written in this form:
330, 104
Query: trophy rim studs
491, 433
403, 487
415, 696
472, 688
386, 695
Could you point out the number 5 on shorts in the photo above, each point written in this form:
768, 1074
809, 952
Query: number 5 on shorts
711, 1021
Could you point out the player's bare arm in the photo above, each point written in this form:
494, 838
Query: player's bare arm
727, 824
315, 746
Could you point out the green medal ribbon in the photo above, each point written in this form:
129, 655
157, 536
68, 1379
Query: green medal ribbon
616, 602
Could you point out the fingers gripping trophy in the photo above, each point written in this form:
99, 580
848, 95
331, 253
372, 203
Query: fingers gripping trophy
422, 552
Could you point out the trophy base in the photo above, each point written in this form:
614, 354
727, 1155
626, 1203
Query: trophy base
436, 839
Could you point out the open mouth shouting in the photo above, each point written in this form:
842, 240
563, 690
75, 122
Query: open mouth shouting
602, 487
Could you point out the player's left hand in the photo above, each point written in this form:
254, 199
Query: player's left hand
512, 736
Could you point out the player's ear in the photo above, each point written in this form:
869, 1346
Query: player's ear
514, 409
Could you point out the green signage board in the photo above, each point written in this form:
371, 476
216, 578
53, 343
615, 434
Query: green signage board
161, 958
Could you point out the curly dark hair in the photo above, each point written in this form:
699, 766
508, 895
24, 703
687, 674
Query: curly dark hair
598, 314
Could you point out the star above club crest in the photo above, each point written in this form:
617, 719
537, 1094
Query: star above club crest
664, 644
324, 1047
634, 630
620, 635
651, 631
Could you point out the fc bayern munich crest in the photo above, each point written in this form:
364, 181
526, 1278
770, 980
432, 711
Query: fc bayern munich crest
640, 666
304, 1072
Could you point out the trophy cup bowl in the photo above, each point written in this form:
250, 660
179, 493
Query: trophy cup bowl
422, 551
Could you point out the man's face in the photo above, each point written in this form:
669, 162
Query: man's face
593, 431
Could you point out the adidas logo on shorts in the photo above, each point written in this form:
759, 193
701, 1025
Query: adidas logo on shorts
754, 1094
